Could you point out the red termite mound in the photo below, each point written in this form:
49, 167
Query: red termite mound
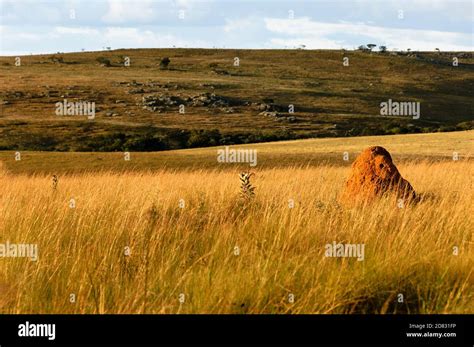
374, 174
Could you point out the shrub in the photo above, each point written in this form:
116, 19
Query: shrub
371, 46
55, 59
204, 138
164, 63
465, 125
145, 143
394, 131
104, 61
444, 128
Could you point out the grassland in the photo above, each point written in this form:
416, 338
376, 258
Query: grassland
301, 153
230, 256
329, 99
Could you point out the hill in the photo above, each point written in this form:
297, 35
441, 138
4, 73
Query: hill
138, 106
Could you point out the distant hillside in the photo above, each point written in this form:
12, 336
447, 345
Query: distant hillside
226, 97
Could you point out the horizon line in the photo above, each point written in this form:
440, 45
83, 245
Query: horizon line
2, 55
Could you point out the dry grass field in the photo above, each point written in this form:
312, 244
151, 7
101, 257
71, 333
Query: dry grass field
310, 152
169, 240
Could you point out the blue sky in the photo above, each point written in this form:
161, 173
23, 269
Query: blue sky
47, 26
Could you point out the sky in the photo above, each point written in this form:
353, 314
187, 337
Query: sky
50, 26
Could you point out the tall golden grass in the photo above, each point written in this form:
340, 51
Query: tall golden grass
226, 255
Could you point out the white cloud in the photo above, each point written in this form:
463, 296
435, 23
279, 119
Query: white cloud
25, 12
311, 43
76, 31
318, 35
238, 24
449, 9
122, 11
8, 32
136, 38
188, 4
